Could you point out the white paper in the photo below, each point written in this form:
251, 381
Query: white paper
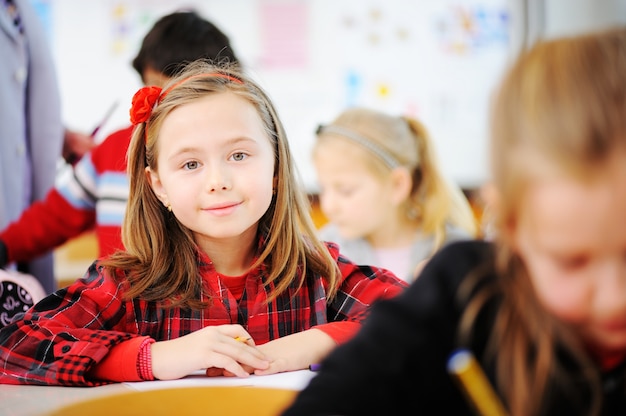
292, 380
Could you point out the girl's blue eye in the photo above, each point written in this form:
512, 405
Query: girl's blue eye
191, 165
239, 156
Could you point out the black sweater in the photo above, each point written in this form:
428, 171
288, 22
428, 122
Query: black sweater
397, 363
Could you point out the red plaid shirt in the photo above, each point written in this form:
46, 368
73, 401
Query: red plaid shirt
62, 337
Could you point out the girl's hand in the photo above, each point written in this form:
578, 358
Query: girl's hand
211, 347
295, 351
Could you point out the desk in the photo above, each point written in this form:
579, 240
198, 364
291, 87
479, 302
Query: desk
37, 400
42, 400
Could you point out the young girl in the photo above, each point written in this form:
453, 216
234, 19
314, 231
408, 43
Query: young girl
92, 195
222, 267
543, 307
381, 189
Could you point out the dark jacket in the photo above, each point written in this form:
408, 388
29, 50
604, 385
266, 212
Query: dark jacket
396, 364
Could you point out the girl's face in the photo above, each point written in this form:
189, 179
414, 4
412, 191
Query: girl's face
354, 198
215, 168
572, 238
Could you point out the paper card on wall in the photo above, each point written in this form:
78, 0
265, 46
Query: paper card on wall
284, 34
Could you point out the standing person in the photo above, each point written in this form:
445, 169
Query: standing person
220, 248
383, 193
31, 131
94, 193
543, 307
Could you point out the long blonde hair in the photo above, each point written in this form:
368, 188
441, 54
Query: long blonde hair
160, 260
564, 100
391, 142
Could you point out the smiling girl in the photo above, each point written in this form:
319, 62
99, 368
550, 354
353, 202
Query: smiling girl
220, 248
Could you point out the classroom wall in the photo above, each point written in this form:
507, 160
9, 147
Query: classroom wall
433, 59
437, 60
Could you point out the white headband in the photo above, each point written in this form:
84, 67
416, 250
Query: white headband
381, 153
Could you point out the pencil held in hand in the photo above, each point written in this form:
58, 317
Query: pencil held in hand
104, 120
475, 383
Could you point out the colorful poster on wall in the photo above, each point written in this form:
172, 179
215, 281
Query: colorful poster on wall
437, 60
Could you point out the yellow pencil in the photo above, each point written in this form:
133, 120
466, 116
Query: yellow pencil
475, 383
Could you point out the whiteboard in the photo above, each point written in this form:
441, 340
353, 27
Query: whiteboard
437, 60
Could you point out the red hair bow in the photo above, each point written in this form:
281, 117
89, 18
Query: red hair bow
143, 103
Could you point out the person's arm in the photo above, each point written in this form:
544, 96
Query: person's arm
360, 288
66, 334
127, 361
68, 210
44, 226
296, 351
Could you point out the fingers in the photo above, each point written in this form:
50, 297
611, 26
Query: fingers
234, 351
246, 355
237, 332
232, 363
219, 350
276, 366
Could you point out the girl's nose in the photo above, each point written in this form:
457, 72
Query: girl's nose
217, 178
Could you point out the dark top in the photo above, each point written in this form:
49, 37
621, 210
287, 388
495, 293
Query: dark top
396, 364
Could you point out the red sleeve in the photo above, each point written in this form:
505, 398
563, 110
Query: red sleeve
68, 333
120, 364
44, 226
341, 331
